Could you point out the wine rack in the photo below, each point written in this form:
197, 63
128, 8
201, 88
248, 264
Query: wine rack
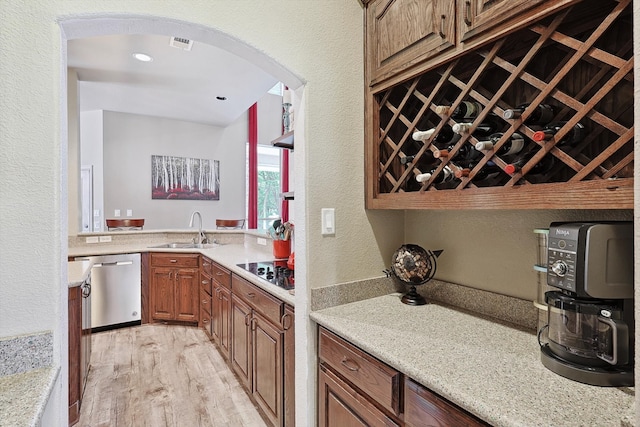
579, 60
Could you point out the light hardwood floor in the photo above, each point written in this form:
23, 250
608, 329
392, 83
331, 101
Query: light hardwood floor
162, 375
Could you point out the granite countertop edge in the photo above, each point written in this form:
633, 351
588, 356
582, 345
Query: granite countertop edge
488, 368
227, 255
25, 395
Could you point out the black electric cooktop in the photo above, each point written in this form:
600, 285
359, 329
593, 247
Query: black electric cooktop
275, 272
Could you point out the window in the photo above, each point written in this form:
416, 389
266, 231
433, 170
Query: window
269, 186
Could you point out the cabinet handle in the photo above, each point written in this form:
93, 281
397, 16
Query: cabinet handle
467, 13
282, 321
204, 282
251, 295
246, 319
442, 22
253, 324
350, 364
205, 301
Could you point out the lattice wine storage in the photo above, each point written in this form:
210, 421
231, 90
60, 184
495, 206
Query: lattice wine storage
578, 61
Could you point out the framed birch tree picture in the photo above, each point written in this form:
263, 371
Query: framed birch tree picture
184, 178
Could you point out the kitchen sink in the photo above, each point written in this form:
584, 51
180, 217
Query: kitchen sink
186, 245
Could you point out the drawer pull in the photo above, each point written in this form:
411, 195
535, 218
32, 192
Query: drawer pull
204, 282
251, 295
219, 273
173, 260
350, 364
467, 13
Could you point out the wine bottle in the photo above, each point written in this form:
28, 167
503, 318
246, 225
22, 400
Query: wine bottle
426, 158
490, 170
445, 175
484, 129
445, 136
407, 159
513, 145
572, 137
465, 110
541, 115
465, 155
544, 165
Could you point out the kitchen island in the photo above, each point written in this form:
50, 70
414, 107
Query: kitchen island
490, 369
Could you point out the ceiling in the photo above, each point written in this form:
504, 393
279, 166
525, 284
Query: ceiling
178, 84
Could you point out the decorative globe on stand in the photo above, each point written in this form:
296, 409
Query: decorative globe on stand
414, 266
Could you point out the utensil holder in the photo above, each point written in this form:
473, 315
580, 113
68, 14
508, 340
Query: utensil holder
281, 248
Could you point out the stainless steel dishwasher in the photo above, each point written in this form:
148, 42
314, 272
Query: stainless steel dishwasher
115, 290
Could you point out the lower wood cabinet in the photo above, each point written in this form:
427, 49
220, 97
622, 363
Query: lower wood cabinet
260, 332
423, 407
174, 287
79, 311
340, 405
221, 308
355, 389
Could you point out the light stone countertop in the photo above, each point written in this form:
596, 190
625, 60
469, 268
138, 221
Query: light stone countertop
491, 369
78, 271
227, 255
24, 396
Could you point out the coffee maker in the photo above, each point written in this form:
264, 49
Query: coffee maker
590, 317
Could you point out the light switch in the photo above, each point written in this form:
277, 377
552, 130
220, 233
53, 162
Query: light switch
129, 212
328, 221
96, 213
116, 213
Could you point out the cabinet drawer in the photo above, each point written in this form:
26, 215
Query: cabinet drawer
373, 377
205, 283
423, 407
205, 302
259, 300
221, 275
206, 265
174, 260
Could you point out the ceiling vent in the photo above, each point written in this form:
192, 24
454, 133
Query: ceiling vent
180, 43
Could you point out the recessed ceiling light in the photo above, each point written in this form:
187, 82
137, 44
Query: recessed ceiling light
221, 98
142, 57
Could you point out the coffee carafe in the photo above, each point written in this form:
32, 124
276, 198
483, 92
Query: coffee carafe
590, 317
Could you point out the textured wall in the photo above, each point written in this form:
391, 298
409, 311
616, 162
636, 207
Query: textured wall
492, 250
317, 42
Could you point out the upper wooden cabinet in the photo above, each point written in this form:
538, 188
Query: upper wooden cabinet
478, 16
405, 37
405, 32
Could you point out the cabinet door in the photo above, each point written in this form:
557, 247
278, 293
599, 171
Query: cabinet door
288, 324
162, 293
215, 315
479, 16
224, 314
339, 405
403, 33
187, 295
75, 350
422, 407
241, 341
267, 368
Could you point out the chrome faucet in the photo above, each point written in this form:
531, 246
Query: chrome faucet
201, 238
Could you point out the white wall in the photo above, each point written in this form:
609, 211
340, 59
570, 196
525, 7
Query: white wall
129, 142
119, 146
91, 148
